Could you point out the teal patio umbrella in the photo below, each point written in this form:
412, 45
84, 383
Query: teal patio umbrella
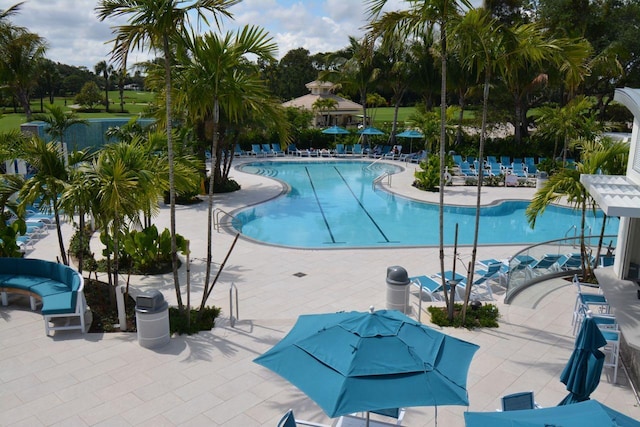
411, 134
590, 413
358, 362
335, 130
582, 372
370, 130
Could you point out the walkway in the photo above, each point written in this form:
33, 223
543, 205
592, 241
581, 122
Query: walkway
209, 378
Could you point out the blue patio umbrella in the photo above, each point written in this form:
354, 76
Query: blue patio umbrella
335, 130
583, 370
353, 362
370, 130
590, 413
411, 134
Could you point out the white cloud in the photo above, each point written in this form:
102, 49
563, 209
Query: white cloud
77, 37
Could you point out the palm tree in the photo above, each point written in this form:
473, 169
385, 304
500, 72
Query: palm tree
47, 183
107, 71
477, 39
218, 82
21, 53
596, 156
58, 121
419, 19
324, 105
159, 25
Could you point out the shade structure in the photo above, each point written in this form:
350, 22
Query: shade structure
370, 130
335, 130
590, 413
410, 133
583, 370
353, 361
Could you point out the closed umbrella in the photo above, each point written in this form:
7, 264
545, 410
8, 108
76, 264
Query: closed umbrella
353, 362
590, 413
583, 370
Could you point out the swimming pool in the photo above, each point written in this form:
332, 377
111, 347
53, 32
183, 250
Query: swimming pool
333, 204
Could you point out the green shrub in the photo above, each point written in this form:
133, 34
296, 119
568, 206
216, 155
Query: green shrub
150, 250
485, 316
199, 322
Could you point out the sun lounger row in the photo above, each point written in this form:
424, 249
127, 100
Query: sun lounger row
471, 166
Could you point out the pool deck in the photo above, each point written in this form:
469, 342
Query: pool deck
209, 379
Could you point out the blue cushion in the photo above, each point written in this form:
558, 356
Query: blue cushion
24, 282
50, 287
62, 303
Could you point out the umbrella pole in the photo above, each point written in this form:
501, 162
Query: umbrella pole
368, 415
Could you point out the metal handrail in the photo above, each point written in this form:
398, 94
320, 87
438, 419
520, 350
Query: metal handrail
368, 167
219, 213
380, 178
232, 319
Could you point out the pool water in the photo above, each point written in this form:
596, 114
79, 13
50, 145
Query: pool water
333, 204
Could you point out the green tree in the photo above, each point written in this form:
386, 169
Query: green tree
159, 26
48, 182
219, 83
58, 122
294, 71
89, 95
21, 53
565, 185
324, 106
106, 70
419, 19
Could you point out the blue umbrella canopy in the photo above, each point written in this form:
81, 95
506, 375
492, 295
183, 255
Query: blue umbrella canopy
370, 131
335, 130
590, 413
410, 134
583, 370
353, 362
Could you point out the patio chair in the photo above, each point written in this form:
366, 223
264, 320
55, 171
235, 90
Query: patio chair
545, 263
420, 156
277, 151
238, 152
457, 159
292, 150
569, 261
505, 161
518, 170
430, 287
267, 151
518, 401
339, 151
588, 300
289, 420
611, 350
465, 169
357, 150
256, 150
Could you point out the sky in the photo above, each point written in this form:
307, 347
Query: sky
75, 36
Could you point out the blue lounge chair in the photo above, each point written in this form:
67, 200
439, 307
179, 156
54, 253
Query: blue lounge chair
357, 150
267, 151
419, 157
570, 261
518, 170
544, 264
529, 161
429, 286
277, 151
505, 161
339, 151
238, 152
256, 150
457, 159
532, 170
465, 170
292, 150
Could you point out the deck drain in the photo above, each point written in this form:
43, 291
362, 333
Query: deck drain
300, 274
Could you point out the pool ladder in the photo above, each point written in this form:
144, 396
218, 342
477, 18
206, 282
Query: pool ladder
380, 178
588, 232
218, 214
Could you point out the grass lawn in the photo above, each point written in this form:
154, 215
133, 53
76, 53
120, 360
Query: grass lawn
135, 103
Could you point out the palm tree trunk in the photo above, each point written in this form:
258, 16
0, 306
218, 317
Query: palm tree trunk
443, 138
63, 253
214, 151
172, 183
474, 251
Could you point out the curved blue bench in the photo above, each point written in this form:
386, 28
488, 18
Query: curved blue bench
59, 287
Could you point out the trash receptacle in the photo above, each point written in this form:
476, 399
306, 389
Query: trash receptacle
398, 289
542, 178
152, 319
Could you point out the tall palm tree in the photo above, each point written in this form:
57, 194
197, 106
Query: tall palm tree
58, 122
48, 182
324, 105
218, 82
565, 184
159, 26
21, 53
106, 70
417, 20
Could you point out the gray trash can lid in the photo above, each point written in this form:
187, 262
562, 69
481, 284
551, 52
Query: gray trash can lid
397, 275
151, 302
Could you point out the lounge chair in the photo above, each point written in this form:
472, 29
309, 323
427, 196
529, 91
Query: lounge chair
47, 219
518, 401
277, 151
465, 169
505, 161
256, 150
518, 170
491, 159
457, 159
547, 262
422, 155
532, 170
339, 151
289, 420
529, 161
431, 287
292, 150
385, 150
569, 262
357, 150
266, 149
238, 152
